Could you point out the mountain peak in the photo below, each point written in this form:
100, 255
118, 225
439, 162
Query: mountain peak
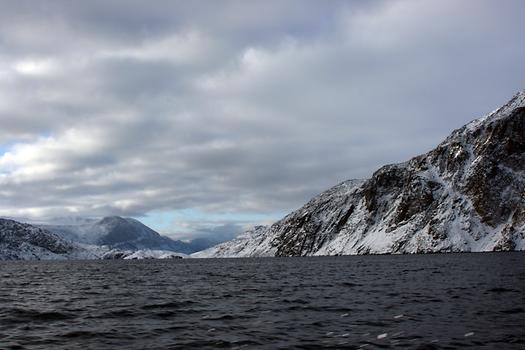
112, 219
517, 101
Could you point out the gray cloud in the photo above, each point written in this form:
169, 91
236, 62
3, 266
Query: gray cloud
234, 107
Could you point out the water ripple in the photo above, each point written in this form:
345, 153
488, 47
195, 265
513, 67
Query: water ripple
368, 302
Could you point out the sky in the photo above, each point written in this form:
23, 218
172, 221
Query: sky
201, 117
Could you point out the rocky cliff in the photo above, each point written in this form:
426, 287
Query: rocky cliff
468, 194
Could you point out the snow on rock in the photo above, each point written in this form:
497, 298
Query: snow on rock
20, 241
468, 194
155, 254
142, 254
251, 243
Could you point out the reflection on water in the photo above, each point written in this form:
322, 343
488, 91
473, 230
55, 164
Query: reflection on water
389, 302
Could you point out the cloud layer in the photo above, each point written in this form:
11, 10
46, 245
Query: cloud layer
236, 107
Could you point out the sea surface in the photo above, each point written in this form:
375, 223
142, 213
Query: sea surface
448, 301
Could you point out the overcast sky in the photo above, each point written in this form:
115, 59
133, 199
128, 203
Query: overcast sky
197, 116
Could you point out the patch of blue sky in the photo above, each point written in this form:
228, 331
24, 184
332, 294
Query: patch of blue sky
3, 150
6, 147
184, 219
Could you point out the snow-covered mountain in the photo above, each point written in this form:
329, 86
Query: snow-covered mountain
20, 241
116, 232
117, 237
468, 194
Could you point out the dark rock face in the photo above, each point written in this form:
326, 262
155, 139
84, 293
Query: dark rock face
493, 187
468, 194
298, 233
471, 184
24, 241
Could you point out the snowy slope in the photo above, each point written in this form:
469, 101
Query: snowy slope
468, 194
251, 243
20, 241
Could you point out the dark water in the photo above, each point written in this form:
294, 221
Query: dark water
402, 302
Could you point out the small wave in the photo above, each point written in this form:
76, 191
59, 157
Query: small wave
517, 310
500, 290
294, 301
119, 314
83, 334
166, 314
28, 315
168, 305
350, 284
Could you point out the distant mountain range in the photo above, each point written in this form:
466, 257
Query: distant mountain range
111, 237
466, 195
